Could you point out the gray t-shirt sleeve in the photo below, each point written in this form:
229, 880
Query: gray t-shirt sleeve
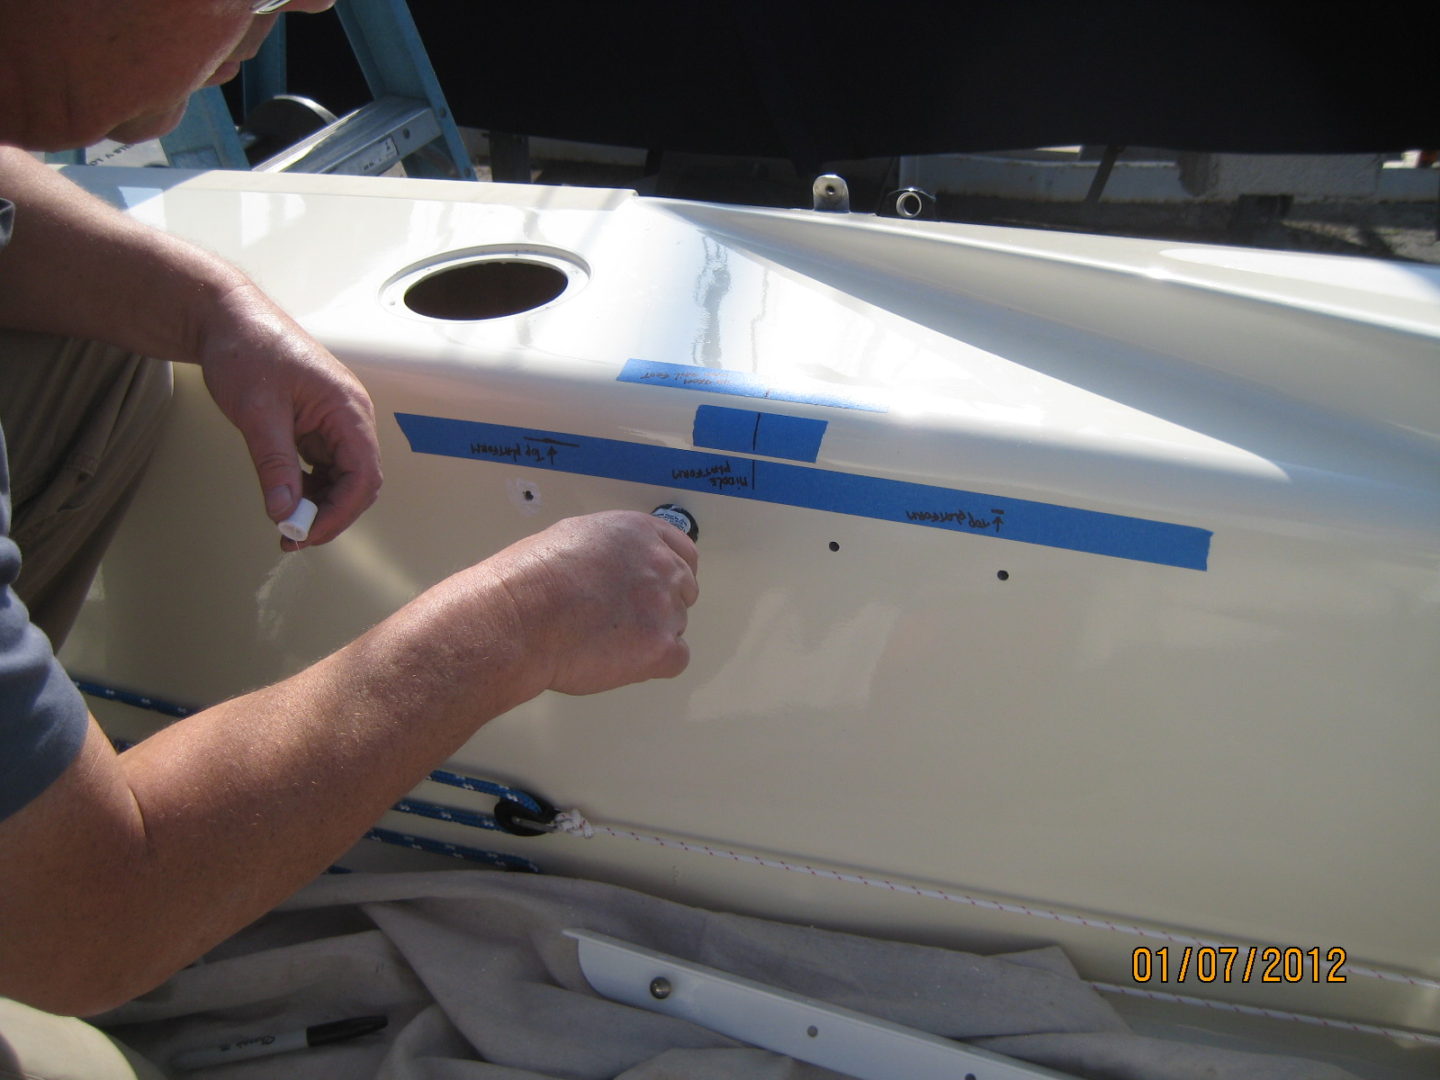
43, 719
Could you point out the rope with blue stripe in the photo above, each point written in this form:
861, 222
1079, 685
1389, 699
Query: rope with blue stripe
139, 701
497, 859
455, 815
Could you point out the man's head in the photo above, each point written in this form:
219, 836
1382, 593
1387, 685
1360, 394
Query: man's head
77, 71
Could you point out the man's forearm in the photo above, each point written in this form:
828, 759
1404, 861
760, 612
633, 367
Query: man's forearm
206, 825
243, 808
77, 266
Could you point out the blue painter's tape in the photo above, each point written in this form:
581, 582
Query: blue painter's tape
772, 434
1022, 520
737, 383
792, 437
725, 429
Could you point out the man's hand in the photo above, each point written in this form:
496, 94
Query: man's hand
597, 602
291, 399
78, 267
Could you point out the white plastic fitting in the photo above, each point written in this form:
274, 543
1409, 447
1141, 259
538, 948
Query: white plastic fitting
297, 526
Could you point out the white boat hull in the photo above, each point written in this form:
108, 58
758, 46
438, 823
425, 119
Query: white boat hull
1106, 613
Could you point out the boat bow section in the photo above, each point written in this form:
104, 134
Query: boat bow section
1057, 587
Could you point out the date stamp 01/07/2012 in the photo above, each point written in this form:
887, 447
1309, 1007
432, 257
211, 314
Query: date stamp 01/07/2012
1238, 964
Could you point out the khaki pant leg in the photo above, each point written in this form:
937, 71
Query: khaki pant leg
80, 420
37, 1046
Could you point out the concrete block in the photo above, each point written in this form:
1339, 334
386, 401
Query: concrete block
1305, 176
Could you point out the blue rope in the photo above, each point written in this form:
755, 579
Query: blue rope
487, 787
140, 701
471, 818
439, 776
455, 851
453, 814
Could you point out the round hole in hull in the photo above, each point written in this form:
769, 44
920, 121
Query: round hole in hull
487, 289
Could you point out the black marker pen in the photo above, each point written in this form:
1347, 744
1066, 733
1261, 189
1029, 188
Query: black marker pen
255, 1046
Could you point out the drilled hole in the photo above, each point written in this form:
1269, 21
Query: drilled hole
1003, 575
834, 545
485, 290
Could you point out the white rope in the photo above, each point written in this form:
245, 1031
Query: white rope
575, 824
1271, 1014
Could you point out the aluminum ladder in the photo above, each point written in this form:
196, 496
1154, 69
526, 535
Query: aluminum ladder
408, 121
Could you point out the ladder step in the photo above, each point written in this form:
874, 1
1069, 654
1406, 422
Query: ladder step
365, 142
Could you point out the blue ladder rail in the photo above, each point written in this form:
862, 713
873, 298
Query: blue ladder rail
408, 120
